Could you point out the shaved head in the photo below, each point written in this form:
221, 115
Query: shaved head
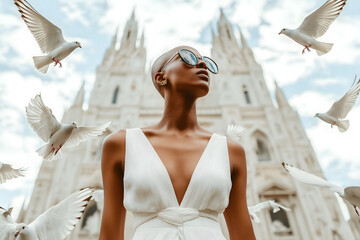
160, 62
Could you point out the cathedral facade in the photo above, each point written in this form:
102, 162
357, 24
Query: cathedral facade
124, 94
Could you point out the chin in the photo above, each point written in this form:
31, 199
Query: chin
202, 92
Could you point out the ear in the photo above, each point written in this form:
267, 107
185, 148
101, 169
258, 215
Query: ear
159, 77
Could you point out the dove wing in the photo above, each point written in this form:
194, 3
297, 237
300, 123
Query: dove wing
7, 226
260, 206
342, 107
41, 119
58, 221
317, 23
309, 178
7, 172
235, 131
277, 206
352, 194
47, 35
82, 134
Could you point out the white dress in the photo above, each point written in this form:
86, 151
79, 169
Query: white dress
150, 197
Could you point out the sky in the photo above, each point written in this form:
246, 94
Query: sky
311, 83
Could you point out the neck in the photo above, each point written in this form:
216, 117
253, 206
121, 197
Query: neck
179, 113
30, 235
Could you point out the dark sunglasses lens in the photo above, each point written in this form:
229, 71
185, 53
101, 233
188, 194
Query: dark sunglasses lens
188, 57
211, 65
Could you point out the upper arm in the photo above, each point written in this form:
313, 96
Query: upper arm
236, 214
113, 157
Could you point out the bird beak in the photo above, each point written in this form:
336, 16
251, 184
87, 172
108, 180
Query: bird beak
280, 32
80, 46
16, 234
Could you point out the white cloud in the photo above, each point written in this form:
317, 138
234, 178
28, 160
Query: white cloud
325, 81
310, 102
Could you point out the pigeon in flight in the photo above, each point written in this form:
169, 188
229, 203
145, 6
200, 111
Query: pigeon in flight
315, 25
55, 134
341, 108
48, 36
263, 205
56, 223
7, 230
351, 194
235, 131
7, 172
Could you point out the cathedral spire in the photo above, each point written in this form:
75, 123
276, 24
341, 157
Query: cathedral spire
129, 38
280, 97
142, 39
79, 99
242, 39
225, 32
115, 38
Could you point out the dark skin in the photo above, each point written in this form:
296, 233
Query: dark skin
179, 141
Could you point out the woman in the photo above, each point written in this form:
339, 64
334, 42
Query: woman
177, 176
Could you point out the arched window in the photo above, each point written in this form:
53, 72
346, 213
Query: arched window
246, 95
262, 151
115, 96
280, 225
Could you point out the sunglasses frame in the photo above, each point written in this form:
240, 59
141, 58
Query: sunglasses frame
197, 60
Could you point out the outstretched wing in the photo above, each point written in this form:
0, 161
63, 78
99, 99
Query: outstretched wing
58, 221
47, 35
235, 131
317, 23
41, 118
342, 107
309, 178
352, 194
82, 134
7, 172
7, 225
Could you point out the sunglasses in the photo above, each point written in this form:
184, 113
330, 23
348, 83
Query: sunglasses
191, 59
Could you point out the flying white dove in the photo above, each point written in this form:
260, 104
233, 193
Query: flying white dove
315, 25
7, 172
351, 194
7, 229
56, 223
235, 131
48, 36
263, 205
341, 108
55, 134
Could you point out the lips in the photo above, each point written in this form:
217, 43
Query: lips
203, 74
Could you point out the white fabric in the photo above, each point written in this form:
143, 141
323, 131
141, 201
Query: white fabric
150, 197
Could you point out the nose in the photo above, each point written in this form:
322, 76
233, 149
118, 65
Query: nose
201, 64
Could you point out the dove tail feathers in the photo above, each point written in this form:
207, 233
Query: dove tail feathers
45, 152
323, 48
42, 63
343, 125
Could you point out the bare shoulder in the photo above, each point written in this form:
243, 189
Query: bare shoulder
114, 147
236, 155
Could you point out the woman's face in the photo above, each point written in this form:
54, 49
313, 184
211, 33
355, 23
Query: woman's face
190, 80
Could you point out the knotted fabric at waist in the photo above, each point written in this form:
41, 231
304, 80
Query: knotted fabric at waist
176, 216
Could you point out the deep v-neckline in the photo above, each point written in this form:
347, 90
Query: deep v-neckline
167, 172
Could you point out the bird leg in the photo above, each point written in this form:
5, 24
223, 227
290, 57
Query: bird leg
58, 150
306, 47
332, 124
56, 62
357, 212
52, 147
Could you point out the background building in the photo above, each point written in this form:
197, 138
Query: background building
124, 94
